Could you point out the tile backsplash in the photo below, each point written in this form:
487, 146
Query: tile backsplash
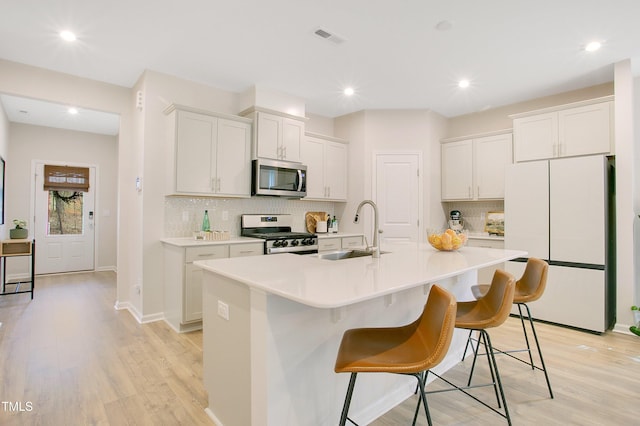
183, 215
473, 212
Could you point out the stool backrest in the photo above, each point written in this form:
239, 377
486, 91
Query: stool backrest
497, 303
531, 285
435, 326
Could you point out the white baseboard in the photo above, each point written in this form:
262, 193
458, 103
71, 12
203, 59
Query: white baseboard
142, 319
213, 417
622, 329
185, 328
107, 269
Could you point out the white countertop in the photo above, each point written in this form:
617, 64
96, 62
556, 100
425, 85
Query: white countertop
324, 283
338, 235
192, 242
485, 236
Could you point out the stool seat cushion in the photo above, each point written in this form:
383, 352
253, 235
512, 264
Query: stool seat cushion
492, 309
412, 348
529, 287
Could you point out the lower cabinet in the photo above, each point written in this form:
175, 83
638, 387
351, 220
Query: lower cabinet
339, 243
183, 280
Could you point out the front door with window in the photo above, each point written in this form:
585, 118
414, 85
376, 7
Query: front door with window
64, 226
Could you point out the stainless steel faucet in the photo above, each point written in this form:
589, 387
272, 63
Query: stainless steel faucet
376, 246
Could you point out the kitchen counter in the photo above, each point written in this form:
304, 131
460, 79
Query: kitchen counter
321, 283
272, 326
192, 242
339, 234
485, 236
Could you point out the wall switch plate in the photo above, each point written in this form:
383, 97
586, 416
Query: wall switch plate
223, 310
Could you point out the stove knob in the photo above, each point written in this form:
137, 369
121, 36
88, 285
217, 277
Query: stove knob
295, 243
311, 241
285, 243
304, 242
277, 243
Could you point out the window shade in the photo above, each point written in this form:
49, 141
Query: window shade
64, 178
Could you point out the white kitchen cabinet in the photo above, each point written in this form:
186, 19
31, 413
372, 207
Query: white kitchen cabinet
340, 243
183, 283
243, 250
581, 129
326, 161
473, 168
276, 135
211, 153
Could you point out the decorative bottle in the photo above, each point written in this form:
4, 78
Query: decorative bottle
334, 225
205, 222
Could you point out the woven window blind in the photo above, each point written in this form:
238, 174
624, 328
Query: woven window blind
65, 178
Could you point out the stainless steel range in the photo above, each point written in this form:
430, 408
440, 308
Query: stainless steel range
275, 229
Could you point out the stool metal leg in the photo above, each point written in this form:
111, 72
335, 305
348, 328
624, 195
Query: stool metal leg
535, 336
422, 379
495, 366
347, 399
526, 335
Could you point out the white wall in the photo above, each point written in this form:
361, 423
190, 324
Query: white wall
391, 130
4, 151
22, 80
27, 143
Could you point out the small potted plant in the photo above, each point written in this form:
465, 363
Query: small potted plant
20, 231
635, 329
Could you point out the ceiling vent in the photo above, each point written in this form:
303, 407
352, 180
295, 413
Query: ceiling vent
328, 35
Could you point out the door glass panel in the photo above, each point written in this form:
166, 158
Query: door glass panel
65, 213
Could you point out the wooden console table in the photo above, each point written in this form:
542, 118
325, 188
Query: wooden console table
13, 248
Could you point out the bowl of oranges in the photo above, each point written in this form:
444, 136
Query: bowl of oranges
448, 240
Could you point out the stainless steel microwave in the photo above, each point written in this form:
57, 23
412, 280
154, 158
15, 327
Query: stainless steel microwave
279, 178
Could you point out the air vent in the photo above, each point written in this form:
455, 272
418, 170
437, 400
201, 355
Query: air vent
328, 35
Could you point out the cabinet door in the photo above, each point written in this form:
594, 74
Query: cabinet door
457, 170
577, 209
536, 137
335, 166
585, 130
492, 155
195, 140
312, 154
233, 158
352, 242
328, 244
192, 309
268, 136
292, 137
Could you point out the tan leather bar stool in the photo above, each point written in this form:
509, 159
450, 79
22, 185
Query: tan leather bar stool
412, 349
529, 288
489, 311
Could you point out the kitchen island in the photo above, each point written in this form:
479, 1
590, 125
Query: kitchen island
272, 326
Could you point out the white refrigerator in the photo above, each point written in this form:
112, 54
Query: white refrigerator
561, 210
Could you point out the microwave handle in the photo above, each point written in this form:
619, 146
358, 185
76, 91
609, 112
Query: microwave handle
299, 180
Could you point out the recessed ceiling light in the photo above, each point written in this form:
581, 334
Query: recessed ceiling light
72, 111
349, 91
593, 46
67, 35
463, 84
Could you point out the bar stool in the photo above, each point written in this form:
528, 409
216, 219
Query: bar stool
489, 311
412, 349
529, 288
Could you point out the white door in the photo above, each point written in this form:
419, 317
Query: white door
397, 196
64, 227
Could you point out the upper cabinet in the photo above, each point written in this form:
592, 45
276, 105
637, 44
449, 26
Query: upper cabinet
473, 168
211, 153
326, 161
276, 136
583, 128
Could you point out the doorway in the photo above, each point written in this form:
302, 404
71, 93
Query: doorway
64, 225
397, 190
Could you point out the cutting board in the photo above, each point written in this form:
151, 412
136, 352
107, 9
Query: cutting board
311, 218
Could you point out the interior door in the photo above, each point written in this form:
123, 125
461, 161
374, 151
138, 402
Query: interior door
64, 227
397, 196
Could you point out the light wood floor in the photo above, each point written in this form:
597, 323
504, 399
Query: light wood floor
78, 361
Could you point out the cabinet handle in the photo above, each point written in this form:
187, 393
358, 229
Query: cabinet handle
218, 185
206, 254
213, 184
478, 191
469, 188
328, 191
284, 150
555, 149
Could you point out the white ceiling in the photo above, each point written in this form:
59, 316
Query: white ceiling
393, 54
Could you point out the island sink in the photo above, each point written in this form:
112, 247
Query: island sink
345, 254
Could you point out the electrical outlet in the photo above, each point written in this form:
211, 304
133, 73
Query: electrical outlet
223, 310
